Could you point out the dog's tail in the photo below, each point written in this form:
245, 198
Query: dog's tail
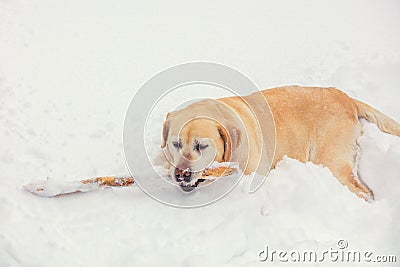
384, 123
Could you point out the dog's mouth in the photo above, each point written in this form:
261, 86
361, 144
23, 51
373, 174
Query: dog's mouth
189, 187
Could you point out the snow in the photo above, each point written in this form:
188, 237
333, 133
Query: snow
67, 74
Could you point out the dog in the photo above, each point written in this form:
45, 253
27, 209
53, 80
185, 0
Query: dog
314, 124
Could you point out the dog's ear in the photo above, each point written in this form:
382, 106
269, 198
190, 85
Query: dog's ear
227, 143
231, 138
165, 131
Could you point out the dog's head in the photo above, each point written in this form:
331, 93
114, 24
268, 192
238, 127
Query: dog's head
191, 143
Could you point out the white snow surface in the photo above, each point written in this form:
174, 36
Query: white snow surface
68, 70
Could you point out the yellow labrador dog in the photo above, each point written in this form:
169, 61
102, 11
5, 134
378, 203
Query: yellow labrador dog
314, 124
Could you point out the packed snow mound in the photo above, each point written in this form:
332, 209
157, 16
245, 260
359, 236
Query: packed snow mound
300, 206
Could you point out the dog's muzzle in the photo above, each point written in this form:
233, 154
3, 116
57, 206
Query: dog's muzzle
183, 175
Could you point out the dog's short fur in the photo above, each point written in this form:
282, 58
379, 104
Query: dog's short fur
314, 124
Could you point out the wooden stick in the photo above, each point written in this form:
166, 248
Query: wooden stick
52, 188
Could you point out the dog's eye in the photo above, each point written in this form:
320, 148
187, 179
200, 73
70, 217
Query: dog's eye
199, 147
177, 145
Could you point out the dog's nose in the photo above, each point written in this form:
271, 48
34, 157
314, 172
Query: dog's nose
183, 175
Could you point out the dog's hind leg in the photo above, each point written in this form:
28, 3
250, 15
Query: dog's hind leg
346, 176
339, 154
